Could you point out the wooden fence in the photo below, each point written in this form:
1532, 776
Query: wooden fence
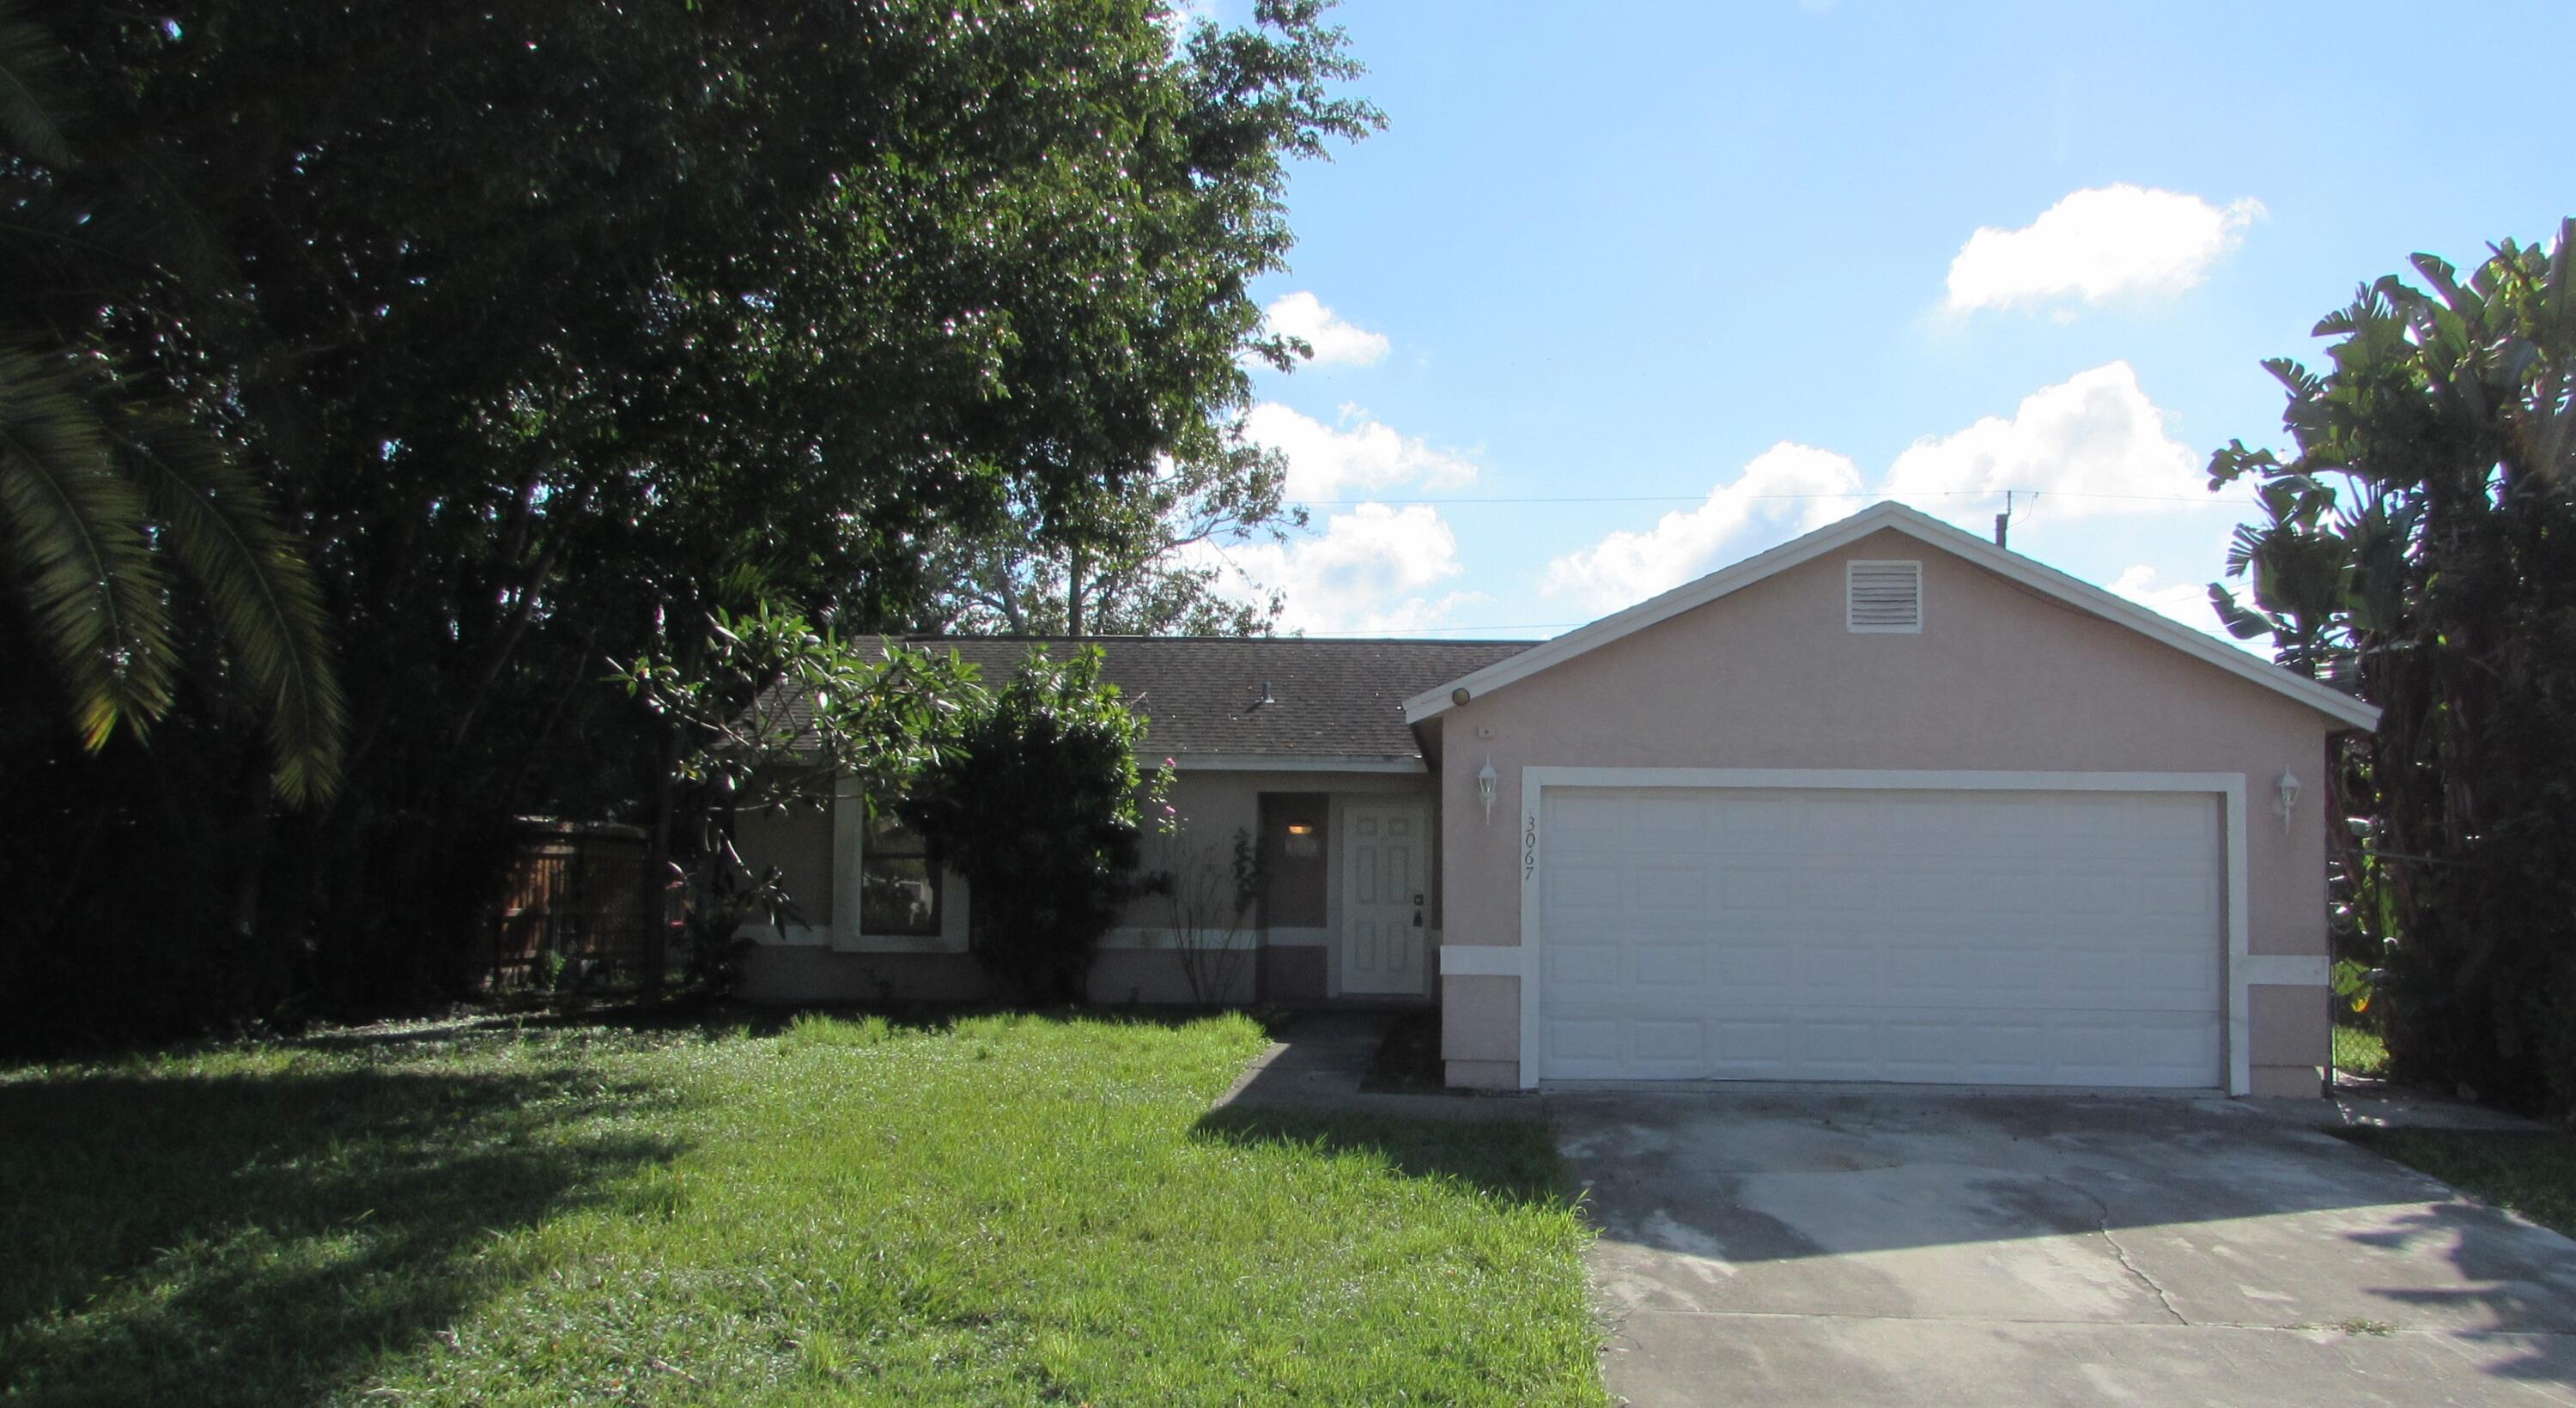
574, 906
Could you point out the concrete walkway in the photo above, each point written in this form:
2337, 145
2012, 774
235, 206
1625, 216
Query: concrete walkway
1907, 1248
1322, 1058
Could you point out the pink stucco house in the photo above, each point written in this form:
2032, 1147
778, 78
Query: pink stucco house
1885, 803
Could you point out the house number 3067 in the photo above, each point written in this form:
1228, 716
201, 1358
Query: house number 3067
1529, 848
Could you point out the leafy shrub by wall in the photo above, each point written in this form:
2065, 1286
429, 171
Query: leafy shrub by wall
1036, 804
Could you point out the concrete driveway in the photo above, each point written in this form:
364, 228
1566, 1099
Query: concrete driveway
1877, 1248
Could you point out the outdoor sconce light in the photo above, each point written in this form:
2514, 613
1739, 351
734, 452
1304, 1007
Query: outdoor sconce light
2288, 797
1486, 777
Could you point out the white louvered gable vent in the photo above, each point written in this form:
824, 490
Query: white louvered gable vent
1884, 597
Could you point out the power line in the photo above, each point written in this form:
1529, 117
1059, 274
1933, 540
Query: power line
1703, 498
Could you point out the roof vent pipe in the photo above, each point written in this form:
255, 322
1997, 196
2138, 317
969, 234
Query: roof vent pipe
1266, 696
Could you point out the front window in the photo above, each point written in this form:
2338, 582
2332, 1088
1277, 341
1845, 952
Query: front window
898, 886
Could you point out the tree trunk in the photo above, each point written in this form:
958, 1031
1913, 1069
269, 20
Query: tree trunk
657, 871
1074, 589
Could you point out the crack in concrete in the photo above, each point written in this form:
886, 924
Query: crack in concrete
2102, 1224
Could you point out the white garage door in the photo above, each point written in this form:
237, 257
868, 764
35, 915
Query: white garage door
2045, 938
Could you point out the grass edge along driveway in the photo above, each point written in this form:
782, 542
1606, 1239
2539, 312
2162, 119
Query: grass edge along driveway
1006, 1210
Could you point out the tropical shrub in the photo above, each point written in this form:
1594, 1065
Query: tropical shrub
2419, 549
1036, 802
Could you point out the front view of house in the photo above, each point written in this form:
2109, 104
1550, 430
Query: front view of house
1885, 803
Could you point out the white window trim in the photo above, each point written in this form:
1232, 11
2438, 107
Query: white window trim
1851, 569
2229, 787
849, 839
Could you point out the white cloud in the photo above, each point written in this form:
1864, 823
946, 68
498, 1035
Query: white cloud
1358, 456
1371, 569
1628, 567
1181, 16
2089, 446
1304, 315
2187, 602
2095, 245
2095, 433
1375, 570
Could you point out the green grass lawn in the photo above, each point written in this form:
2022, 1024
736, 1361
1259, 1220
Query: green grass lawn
2531, 1172
1009, 1210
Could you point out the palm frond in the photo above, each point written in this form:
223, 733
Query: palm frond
76, 540
223, 525
27, 53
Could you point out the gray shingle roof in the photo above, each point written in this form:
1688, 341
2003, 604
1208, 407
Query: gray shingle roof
1330, 698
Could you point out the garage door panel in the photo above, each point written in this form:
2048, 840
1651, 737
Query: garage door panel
1756, 891
1670, 966
2180, 896
1669, 887
1664, 826
1933, 936
1580, 825
1585, 883
1576, 966
1573, 1039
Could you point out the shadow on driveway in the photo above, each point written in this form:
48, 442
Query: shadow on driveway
1863, 1241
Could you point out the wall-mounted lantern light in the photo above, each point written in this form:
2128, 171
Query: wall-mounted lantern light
2286, 797
1486, 777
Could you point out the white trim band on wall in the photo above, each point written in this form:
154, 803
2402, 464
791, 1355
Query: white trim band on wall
1480, 961
2287, 970
2236, 1021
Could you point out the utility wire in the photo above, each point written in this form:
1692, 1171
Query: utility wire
1702, 498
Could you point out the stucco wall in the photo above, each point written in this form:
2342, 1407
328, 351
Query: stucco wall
1136, 964
799, 843
2001, 679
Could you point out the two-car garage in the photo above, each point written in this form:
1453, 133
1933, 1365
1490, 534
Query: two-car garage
1886, 803
2024, 931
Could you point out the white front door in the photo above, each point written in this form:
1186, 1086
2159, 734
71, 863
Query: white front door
1386, 895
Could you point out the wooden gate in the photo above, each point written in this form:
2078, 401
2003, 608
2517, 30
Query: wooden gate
573, 906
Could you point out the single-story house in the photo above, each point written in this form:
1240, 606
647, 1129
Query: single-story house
1886, 803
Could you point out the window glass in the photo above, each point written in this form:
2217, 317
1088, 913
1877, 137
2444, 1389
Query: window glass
898, 886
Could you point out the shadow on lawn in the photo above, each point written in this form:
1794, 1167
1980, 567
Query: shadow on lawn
263, 1238
1512, 1159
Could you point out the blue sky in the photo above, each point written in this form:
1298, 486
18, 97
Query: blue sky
1668, 266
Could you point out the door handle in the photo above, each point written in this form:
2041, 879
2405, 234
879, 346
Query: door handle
1417, 919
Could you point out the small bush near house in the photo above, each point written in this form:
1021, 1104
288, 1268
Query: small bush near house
1035, 802
2359, 1051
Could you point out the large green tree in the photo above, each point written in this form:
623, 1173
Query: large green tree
2419, 548
1148, 561
558, 327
